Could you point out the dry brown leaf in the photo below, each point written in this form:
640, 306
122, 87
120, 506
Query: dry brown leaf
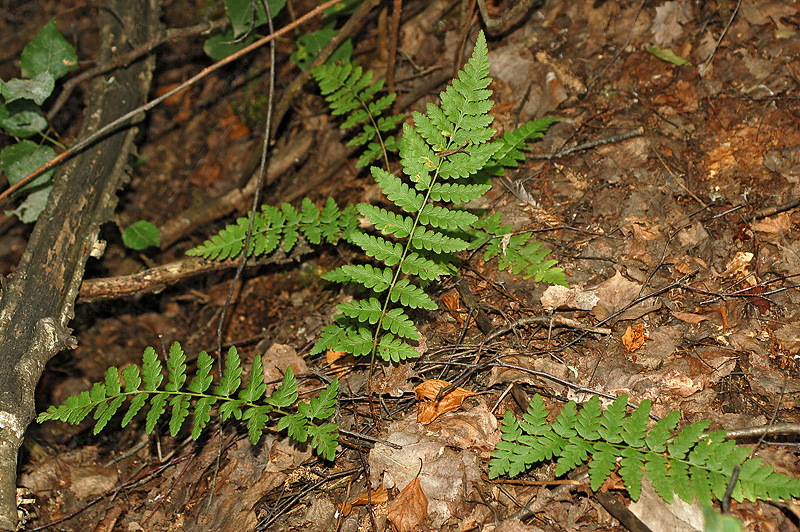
429, 409
409, 509
339, 361
634, 337
378, 496
453, 304
689, 317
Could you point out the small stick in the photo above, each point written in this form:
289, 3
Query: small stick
591, 144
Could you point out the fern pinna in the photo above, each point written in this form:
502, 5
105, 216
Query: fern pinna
251, 404
686, 463
272, 226
350, 91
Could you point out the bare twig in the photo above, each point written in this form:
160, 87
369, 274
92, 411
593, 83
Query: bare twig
638, 132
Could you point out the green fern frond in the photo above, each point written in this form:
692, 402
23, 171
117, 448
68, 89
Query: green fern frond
106, 398
684, 464
350, 91
273, 225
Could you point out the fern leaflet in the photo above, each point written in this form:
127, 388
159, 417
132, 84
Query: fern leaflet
106, 398
684, 464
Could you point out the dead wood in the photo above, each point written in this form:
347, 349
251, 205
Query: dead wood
38, 300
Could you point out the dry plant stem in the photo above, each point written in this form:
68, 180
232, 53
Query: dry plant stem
620, 512
124, 119
127, 58
548, 321
396, 11
264, 524
589, 145
707, 62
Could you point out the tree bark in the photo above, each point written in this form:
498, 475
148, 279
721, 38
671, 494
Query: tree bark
38, 300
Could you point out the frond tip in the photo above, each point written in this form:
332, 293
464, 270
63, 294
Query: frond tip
106, 398
688, 464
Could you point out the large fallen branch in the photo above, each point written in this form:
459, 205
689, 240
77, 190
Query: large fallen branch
37, 301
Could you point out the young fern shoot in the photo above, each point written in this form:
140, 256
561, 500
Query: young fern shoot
441, 157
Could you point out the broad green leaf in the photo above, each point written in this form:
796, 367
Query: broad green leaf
50, 52
141, 235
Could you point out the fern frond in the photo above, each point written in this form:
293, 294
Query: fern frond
105, 399
350, 91
274, 225
693, 466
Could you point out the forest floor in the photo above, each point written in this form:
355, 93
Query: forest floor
686, 237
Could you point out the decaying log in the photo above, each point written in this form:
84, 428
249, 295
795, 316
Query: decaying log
38, 300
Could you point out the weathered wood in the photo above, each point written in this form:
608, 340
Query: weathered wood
38, 300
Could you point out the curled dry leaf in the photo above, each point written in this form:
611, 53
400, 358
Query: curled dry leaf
634, 337
429, 409
409, 509
378, 496
339, 361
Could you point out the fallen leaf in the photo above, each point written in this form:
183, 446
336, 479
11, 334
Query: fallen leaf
689, 317
453, 304
738, 264
409, 509
429, 409
378, 496
634, 337
339, 361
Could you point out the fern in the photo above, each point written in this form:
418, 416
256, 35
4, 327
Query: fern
517, 253
273, 226
350, 91
683, 464
417, 237
248, 403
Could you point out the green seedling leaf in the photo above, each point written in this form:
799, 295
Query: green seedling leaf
666, 54
30, 209
22, 158
50, 52
22, 118
140, 235
36, 89
311, 44
246, 15
221, 45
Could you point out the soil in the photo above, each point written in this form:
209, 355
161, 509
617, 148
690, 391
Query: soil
678, 228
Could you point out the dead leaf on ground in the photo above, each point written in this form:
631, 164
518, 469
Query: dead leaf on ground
409, 509
453, 304
429, 409
689, 317
634, 337
378, 496
339, 361
616, 293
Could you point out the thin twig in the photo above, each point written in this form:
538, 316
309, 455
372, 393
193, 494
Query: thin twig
591, 144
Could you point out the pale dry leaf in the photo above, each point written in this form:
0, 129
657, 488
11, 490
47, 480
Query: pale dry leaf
428, 408
409, 509
378, 496
634, 337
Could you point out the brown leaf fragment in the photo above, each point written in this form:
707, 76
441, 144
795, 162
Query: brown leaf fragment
634, 337
409, 509
429, 409
340, 361
378, 496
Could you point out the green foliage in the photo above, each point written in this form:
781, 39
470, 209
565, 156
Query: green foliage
311, 44
246, 17
45, 59
516, 252
351, 92
273, 225
248, 403
451, 143
684, 464
140, 235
